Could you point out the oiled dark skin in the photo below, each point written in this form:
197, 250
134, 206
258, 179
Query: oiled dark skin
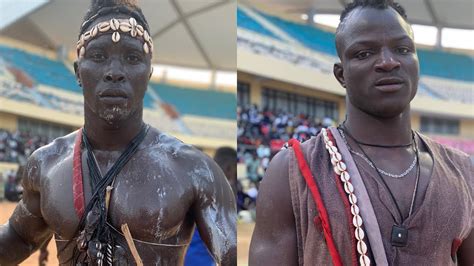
373, 44
162, 192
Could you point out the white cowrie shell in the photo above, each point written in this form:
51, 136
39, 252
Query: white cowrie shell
345, 176
357, 221
140, 30
354, 210
104, 26
359, 234
341, 166
87, 35
82, 52
125, 27
114, 24
348, 188
352, 198
116, 36
133, 22
338, 156
364, 260
146, 36
94, 31
361, 247
145, 48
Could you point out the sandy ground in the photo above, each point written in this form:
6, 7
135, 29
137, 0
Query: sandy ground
6, 209
244, 234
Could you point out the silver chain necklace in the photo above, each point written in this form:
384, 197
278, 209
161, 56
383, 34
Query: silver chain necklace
397, 176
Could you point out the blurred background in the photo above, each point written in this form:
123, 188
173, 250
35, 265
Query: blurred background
286, 88
192, 93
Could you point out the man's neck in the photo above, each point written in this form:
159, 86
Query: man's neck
370, 129
112, 136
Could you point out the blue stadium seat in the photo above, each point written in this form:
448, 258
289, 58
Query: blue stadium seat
246, 22
197, 102
446, 65
307, 35
148, 101
42, 69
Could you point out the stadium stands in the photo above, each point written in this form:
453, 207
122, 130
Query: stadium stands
197, 102
309, 36
215, 128
432, 62
449, 90
42, 69
446, 65
247, 22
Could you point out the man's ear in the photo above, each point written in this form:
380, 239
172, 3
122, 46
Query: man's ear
76, 72
338, 71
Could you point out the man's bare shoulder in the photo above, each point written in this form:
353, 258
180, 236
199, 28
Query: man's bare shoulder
276, 179
162, 146
45, 157
58, 147
172, 146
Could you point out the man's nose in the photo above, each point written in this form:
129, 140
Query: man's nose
114, 73
387, 61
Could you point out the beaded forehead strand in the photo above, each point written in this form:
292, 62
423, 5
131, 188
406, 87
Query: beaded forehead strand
116, 25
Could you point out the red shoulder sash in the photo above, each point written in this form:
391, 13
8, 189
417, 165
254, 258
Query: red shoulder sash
313, 187
77, 185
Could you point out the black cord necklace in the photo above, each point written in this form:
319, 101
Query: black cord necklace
399, 235
97, 204
378, 145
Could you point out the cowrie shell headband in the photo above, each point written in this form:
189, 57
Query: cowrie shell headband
129, 26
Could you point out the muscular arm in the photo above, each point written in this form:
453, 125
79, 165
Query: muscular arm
274, 237
26, 229
215, 213
466, 250
465, 253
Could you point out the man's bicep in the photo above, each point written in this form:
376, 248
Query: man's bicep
28, 222
465, 253
215, 216
274, 238
26, 229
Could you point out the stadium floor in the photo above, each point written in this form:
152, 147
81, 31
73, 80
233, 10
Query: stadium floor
7, 208
244, 234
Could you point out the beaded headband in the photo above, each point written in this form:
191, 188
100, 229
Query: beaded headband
116, 25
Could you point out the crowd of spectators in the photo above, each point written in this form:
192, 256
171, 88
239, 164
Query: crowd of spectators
261, 134
15, 147
10, 188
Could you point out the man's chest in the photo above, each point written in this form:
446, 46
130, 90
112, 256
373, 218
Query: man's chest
151, 199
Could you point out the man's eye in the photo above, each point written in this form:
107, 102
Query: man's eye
98, 56
133, 58
363, 55
404, 50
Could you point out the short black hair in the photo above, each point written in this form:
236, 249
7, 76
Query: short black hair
379, 4
101, 8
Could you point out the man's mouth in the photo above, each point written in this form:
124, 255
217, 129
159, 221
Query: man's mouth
113, 96
389, 84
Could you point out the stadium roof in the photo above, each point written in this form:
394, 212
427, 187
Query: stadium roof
457, 14
187, 33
